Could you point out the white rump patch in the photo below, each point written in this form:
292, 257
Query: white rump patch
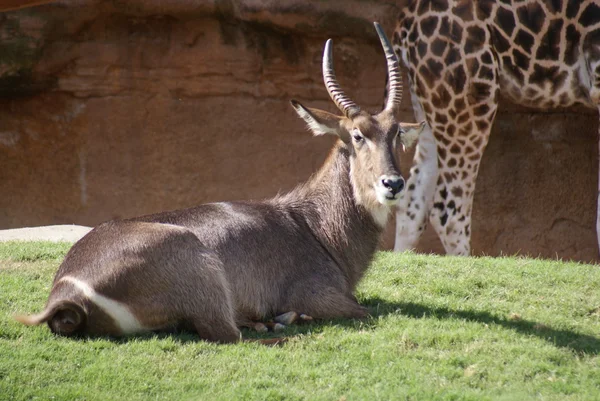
119, 312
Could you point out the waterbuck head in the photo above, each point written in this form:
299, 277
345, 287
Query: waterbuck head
370, 139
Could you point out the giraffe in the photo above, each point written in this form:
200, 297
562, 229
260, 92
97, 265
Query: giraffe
460, 55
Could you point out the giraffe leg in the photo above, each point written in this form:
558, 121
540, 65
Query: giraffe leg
593, 70
598, 206
415, 202
460, 101
459, 160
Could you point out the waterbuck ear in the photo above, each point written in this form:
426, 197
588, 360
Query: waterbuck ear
411, 132
321, 122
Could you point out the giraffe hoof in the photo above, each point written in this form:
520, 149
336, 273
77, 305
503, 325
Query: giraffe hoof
287, 318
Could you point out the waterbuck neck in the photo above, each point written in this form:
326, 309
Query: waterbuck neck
345, 228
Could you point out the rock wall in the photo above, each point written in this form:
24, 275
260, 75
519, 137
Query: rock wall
116, 109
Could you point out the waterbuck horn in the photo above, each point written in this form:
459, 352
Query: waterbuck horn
394, 75
343, 102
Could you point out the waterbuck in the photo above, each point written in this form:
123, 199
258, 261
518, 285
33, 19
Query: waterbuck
221, 266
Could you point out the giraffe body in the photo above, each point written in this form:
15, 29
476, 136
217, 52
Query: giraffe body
461, 55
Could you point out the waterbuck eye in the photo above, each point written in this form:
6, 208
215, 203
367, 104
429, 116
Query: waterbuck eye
357, 135
401, 131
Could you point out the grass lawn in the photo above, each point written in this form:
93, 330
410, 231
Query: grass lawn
442, 328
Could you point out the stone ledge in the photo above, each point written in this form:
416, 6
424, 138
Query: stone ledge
57, 233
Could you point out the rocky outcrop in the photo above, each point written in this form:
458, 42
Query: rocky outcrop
121, 108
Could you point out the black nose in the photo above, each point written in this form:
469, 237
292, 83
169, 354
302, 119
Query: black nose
393, 184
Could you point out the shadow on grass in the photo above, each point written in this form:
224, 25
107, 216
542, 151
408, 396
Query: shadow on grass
580, 343
186, 335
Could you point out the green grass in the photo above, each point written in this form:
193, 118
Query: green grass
442, 328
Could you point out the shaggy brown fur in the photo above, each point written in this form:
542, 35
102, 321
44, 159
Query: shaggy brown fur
220, 266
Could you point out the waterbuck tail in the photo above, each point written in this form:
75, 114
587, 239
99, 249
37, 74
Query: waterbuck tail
65, 318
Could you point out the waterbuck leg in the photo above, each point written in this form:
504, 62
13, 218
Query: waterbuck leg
330, 303
260, 327
221, 331
279, 322
287, 318
292, 317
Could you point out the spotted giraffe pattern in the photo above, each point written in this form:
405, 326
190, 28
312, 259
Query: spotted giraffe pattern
460, 55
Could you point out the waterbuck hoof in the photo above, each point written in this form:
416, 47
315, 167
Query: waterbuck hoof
261, 328
306, 318
287, 318
278, 327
